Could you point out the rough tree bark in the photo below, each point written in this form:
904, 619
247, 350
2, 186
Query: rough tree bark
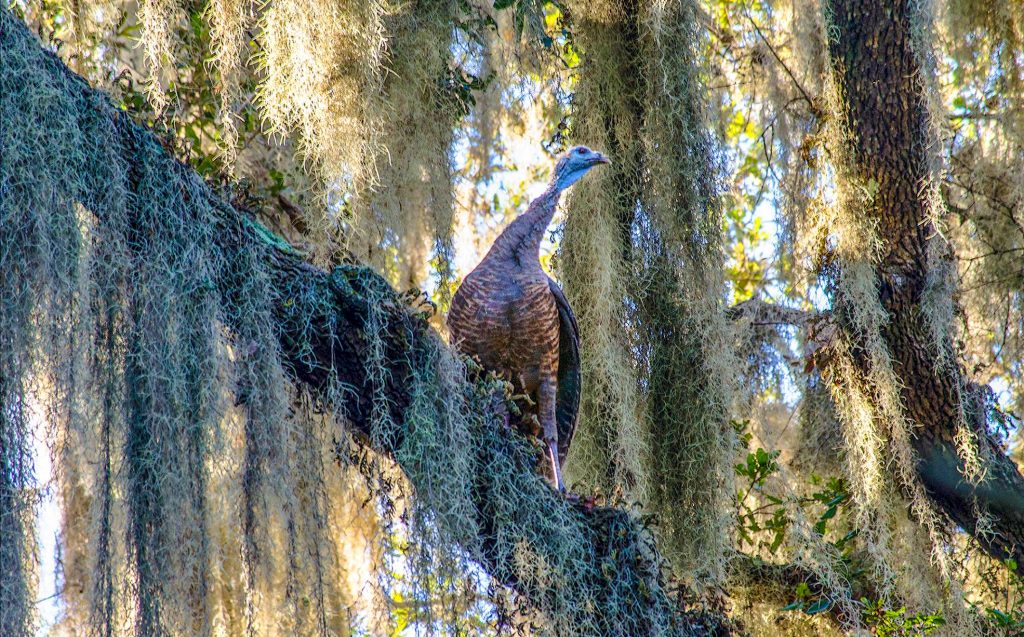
884, 114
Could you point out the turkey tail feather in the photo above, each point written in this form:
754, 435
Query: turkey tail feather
569, 375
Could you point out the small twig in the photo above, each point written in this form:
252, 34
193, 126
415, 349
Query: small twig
49, 597
763, 313
806, 95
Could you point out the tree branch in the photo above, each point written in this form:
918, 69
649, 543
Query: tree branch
762, 312
322, 321
776, 584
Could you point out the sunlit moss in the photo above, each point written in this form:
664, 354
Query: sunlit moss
611, 447
404, 212
642, 260
321, 68
206, 470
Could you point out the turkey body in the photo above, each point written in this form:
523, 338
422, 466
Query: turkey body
505, 316
516, 321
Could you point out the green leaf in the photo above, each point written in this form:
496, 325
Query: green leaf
836, 500
819, 606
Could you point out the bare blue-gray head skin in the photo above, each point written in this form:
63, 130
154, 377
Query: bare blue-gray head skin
575, 163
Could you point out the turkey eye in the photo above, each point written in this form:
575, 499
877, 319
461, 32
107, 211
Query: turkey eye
580, 151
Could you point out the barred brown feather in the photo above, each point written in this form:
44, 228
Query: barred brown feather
517, 322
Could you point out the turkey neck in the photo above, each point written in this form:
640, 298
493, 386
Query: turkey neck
520, 241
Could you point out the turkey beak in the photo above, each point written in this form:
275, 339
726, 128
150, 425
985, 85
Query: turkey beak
601, 159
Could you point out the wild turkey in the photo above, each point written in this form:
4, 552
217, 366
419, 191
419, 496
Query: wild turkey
516, 321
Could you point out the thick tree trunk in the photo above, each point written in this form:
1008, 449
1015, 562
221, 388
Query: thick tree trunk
884, 115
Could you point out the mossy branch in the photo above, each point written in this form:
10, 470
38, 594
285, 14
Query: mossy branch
776, 583
602, 573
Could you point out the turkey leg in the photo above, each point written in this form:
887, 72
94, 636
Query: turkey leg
549, 426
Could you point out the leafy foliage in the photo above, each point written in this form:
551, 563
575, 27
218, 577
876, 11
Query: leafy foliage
896, 623
1004, 609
